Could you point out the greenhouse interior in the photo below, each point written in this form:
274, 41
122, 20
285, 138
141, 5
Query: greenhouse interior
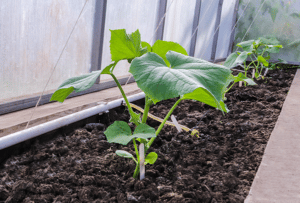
150, 101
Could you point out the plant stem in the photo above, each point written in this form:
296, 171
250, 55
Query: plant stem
136, 149
124, 96
163, 123
136, 171
230, 87
148, 103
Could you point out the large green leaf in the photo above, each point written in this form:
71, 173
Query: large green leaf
120, 132
246, 45
185, 75
124, 46
79, 83
162, 47
76, 84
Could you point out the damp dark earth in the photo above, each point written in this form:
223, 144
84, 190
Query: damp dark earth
219, 166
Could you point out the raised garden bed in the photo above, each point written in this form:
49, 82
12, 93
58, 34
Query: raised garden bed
217, 167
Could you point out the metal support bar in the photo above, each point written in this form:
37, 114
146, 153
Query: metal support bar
217, 28
195, 25
98, 35
161, 12
234, 19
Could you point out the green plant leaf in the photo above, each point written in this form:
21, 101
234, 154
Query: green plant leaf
162, 47
124, 154
120, 132
263, 60
124, 46
274, 48
246, 45
76, 84
185, 75
144, 131
269, 41
241, 58
204, 96
142, 140
147, 45
231, 60
242, 77
151, 158
109, 69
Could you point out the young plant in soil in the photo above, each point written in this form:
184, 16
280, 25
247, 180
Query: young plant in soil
162, 71
258, 51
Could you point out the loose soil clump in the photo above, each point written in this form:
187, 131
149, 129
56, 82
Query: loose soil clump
217, 167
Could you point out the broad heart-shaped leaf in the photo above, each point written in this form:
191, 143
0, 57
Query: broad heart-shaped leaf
162, 47
120, 132
124, 154
76, 84
124, 46
185, 75
263, 60
151, 158
246, 45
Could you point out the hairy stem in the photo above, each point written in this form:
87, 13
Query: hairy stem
163, 123
148, 103
124, 96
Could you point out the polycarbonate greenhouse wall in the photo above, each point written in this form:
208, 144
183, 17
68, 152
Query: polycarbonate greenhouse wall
34, 33
272, 18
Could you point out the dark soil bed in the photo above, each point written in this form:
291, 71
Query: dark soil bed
217, 167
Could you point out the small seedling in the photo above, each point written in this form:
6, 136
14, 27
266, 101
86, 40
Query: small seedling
162, 71
259, 53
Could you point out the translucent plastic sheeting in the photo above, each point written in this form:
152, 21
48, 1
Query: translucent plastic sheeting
225, 29
130, 15
32, 36
179, 22
277, 18
206, 29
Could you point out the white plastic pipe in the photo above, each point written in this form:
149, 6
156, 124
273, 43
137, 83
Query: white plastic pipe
35, 131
